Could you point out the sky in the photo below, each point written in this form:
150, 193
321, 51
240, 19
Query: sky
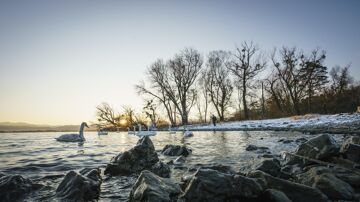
60, 59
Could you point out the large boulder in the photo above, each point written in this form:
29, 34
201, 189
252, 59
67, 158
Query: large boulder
351, 149
150, 187
15, 187
176, 150
325, 181
320, 147
211, 185
141, 157
82, 186
294, 191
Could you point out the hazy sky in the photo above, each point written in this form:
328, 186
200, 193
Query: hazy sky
60, 59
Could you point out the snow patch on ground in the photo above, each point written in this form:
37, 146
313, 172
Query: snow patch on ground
307, 121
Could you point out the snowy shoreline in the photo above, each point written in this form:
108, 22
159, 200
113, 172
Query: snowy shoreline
348, 123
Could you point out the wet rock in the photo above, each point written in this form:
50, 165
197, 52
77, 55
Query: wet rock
294, 191
269, 156
285, 141
180, 160
252, 147
15, 187
211, 185
288, 141
320, 147
83, 186
301, 140
351, 149
218, 167
175, 150
270, 166
272, 195
326, 182
141, 157
160, 169
291, 170
150, 187
352, 177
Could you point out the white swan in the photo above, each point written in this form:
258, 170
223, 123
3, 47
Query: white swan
74, 137
145, 133
171, 131
188, 133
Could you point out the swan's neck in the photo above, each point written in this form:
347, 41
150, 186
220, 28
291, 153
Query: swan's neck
81, 132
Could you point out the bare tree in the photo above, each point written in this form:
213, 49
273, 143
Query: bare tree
246, 65
314, 73
173, 82
290, 76
340, 79
106, 115
219, 86
184, 69
157, 74
202, 93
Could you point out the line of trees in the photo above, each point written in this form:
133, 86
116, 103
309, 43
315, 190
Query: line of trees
245, 83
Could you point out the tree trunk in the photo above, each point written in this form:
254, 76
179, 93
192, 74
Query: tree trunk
246, 113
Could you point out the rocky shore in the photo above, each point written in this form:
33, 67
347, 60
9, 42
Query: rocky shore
320, 169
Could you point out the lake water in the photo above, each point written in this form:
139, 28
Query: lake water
39, 157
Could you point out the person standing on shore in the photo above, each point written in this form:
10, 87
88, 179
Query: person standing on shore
213, 118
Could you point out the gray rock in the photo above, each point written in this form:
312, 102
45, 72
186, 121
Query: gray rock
160, 169
320, 147
211, 185
301, 140
141, 157
326, 182
175, 150
272, 195
218, 167
347, 175
15, 187
83, 186
294, 191
180, 160
270, 166
252, 147
150, 187
351, 149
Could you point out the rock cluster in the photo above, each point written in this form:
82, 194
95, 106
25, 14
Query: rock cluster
309, 174
141, 157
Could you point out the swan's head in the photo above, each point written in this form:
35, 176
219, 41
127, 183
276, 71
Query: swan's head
84, 124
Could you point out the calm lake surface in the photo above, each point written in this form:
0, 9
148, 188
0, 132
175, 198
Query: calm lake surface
39, 157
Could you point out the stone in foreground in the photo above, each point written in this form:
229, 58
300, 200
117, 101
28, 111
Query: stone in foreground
15, 187
150, 187
83, 186
141, 157
294, 191
211, 185
175, 150
324, 179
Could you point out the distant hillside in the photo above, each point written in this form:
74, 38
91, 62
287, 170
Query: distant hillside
27, 127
